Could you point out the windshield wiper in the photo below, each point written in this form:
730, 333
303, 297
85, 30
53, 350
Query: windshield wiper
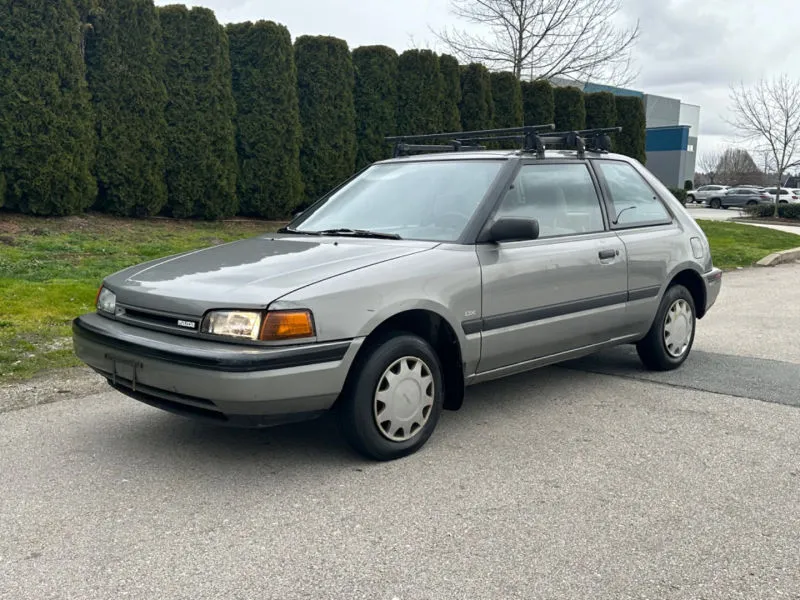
297, 232
364, 233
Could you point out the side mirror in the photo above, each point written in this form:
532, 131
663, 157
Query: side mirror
510, 229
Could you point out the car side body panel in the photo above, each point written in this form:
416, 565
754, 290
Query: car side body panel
550, 295
445, 280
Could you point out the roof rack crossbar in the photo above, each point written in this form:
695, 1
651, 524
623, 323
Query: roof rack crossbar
464, 135
533, 138
402, 149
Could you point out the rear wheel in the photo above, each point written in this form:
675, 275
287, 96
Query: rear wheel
715, 203
751, 203
669, 341
393, 401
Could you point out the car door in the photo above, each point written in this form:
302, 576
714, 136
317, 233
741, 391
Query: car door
650, 233
735, 197
563, 291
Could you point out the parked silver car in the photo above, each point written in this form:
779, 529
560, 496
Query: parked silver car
419, 276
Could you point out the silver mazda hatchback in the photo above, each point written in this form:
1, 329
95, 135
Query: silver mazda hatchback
445, 266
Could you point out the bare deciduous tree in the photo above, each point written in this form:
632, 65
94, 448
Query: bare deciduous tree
708, 164
768, 114
737, 167
578, 39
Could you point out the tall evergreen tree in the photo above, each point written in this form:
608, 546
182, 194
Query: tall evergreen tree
201, 159
570, 112
375, 101
507, 96
267, 119
419, 93
47, 141
126, 78
327, 113
451, 92
601, 110
537, 102
631, 117
477, 104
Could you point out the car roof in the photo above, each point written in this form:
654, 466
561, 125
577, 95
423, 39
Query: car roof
503, 155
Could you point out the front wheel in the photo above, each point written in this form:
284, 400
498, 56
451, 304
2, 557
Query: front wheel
394, 398
715, 203
690, 198
669, 341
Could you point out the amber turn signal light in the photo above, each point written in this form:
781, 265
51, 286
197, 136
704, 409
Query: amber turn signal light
287, 325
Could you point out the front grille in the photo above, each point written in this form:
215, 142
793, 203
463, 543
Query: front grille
174, 323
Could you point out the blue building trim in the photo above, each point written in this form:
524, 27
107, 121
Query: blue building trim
667, 139
591, 88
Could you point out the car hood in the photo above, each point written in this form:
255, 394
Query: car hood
249, 273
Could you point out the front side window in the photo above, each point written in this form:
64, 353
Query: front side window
634, 201
428, 200
561, 197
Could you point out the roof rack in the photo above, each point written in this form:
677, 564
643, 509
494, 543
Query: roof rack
532, 137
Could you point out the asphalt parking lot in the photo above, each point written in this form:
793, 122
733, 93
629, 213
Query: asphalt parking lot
588, 480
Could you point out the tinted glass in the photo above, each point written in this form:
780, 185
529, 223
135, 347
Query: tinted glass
633, 199
561, 197
431, 200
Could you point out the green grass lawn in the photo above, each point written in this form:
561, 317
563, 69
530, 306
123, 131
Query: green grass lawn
50, 270
734, 245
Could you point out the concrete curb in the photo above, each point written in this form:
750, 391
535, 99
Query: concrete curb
779, 258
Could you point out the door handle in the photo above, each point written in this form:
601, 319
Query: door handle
607, 254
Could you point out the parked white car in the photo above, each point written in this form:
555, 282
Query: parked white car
787, 196
705, 192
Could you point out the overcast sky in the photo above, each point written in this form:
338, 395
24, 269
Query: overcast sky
688, 49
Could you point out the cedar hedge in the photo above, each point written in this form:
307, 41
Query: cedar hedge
201, 163
126, 79
267, 119
538, 102
507, 96
631, 117
419, 92
325, 82
570, 112
477, 104
451, 92
601, 110
375, 101
47, 141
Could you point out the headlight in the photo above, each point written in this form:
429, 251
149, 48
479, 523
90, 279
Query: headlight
269, 327
233, 323
106, 301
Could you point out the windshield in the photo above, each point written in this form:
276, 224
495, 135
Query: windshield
426, 200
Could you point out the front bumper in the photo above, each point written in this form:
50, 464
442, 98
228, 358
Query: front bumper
217, 381
713, 283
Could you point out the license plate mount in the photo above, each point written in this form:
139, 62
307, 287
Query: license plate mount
125, 369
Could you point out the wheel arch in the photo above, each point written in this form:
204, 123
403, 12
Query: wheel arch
432, 326
692, 280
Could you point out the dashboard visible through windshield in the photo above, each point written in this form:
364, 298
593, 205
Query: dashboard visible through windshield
423, 200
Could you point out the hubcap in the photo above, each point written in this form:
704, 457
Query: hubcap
678, 328
404, 399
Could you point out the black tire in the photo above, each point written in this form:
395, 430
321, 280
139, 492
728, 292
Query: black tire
690, 198
715, 203
751, 203
652, 349
357, 410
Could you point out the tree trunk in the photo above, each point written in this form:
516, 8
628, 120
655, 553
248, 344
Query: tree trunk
778, 193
